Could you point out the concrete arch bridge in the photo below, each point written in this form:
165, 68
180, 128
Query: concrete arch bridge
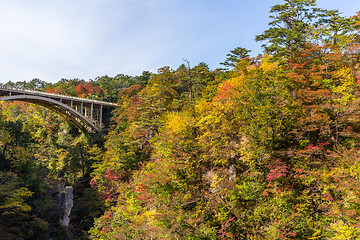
86, 114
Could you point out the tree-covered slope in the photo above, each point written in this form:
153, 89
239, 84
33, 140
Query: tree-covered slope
267, 148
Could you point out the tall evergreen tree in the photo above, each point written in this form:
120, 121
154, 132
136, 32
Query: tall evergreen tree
297, 23
235, 56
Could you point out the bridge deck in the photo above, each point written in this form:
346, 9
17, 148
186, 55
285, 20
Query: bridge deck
86, 114
17, 91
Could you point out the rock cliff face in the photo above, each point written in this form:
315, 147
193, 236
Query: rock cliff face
66, 202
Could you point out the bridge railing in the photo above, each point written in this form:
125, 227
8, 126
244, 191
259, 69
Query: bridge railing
4, 87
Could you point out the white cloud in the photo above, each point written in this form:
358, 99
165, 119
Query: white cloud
37, 36
54, 39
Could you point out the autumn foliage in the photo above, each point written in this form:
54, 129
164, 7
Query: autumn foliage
265, 149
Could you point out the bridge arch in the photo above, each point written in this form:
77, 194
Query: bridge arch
69, 113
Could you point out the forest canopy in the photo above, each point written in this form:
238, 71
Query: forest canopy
265, 148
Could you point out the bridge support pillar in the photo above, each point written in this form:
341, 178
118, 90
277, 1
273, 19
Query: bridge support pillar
92, 112
101, 110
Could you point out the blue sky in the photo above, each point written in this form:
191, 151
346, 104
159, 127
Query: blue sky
84, 39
